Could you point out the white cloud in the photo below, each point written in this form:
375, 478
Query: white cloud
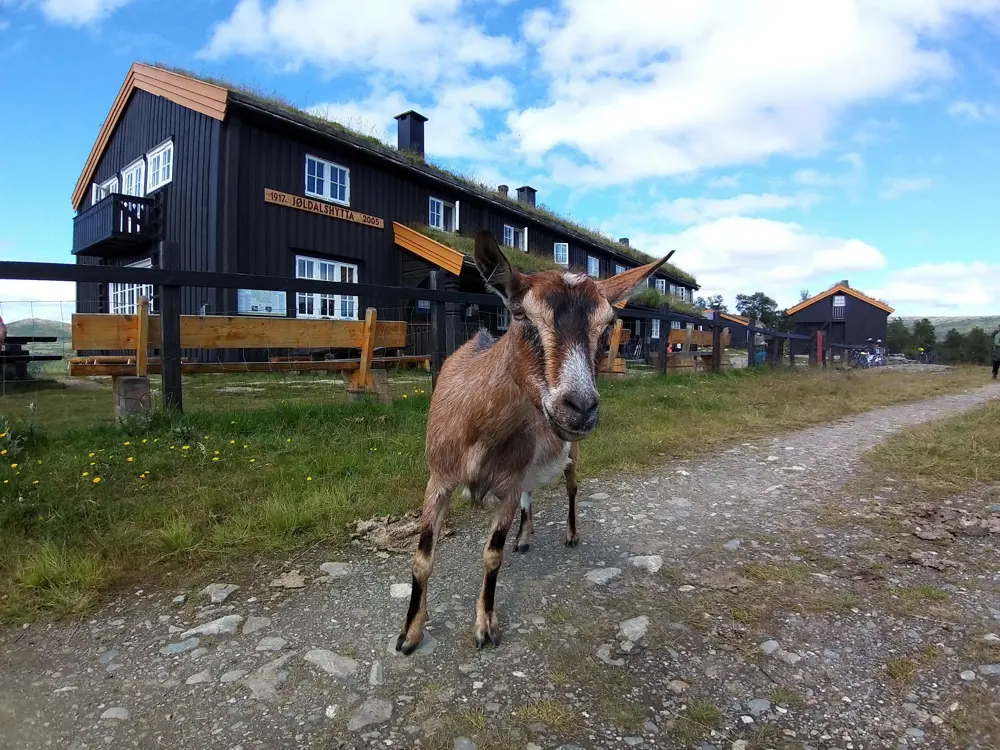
853, 176
873, 131
78, 12
727, 181
943, 289
456, 120
895, 187
978, 111
419, 41
740, 255
661, 89
696, 210
52, 300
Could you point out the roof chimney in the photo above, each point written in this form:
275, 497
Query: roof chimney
503, 189
410, 132
526, 194
844, 283
623, 241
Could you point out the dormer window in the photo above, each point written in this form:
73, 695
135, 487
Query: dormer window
443, 215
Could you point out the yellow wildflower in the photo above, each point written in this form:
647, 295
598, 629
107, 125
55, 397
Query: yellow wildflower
3, 434
309, 479
127, 443
92, 455
3, 452
85, 474
35, 482
232, 442
97, 480
253, 460
215, 458
130, 459
13, 466
404, 395
185, 447
144, 440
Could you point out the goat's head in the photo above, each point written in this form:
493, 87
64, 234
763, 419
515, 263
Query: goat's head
560, 316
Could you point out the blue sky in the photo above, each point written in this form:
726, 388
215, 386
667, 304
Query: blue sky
775, 145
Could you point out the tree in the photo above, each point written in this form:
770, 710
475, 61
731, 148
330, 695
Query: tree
924, 334
758, 306
953, 347
716, 300
804, 295
898, 339
701, 303
978, 345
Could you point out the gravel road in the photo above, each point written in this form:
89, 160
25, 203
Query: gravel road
739, 600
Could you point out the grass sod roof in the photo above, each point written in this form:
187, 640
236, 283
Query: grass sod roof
277, 105
531, 263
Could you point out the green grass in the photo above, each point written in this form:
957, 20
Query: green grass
943, 457
281, 468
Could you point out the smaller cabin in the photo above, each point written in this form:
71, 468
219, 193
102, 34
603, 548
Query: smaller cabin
845, 315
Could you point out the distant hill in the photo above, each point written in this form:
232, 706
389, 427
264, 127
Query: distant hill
40, 327
962, 324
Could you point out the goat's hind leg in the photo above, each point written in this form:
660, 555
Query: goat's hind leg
572, 534
527, 527
436, 500
487, 626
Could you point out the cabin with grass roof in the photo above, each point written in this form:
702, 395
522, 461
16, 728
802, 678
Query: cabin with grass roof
845, 316
237, 182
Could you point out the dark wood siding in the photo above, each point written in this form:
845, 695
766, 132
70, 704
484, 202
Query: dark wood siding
861, 321
189, 205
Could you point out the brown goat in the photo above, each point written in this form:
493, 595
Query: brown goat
507, 414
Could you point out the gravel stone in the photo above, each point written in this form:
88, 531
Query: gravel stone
196, 679
372, 711
225, 625
219, 592
254, 623
732, 545
464, 743
988, 669
598, 496
677, 687
335, 569
293, 579
179, 648
119, 713
769, 647
601, 576
634, 629
232, 675
968, 675
377, 675
272, 643
108, 656
264, 683
426, 647
758, 706
400, 590
649, 563
341, 667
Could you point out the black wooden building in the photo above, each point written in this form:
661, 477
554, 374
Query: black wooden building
245, 184
845, 315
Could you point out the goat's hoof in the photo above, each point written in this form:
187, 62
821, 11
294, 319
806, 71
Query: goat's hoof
489, 633
522, 547
407, 647
572, 540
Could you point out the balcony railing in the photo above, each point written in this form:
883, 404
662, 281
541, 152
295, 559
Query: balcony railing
115, 223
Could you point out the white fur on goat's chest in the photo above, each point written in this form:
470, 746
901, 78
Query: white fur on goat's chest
545, 466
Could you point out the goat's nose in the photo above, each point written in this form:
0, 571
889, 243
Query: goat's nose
583, 405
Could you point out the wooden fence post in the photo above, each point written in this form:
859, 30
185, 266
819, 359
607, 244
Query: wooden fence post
716, 346
614, 343
438, 337
751, 348
170, 330
819, 349
664, 345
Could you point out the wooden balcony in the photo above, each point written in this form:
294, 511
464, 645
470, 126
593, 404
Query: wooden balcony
117, 224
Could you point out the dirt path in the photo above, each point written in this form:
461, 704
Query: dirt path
768, 609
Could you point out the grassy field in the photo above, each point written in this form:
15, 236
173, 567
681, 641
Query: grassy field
940, 458
85, 506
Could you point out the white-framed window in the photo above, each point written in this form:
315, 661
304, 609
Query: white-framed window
336, 306
103, 190
619, 268
654, 330
328, 181
661, 286
560, 253
675, 325
161, 166
515, 237
134, 178
593, 266
839, 300
443, 215
124, 298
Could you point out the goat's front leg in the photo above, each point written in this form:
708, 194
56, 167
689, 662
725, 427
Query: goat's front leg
487, 627
527, 527
436, 500
572, 535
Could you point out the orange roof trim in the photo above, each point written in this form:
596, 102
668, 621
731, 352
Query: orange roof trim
207, 98
840, 289
430, 250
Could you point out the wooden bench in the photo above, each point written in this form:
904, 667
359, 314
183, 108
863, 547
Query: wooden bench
137, 333
688, 357
614, 362
13, 353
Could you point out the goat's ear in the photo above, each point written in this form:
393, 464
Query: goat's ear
497, 272
621, 285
